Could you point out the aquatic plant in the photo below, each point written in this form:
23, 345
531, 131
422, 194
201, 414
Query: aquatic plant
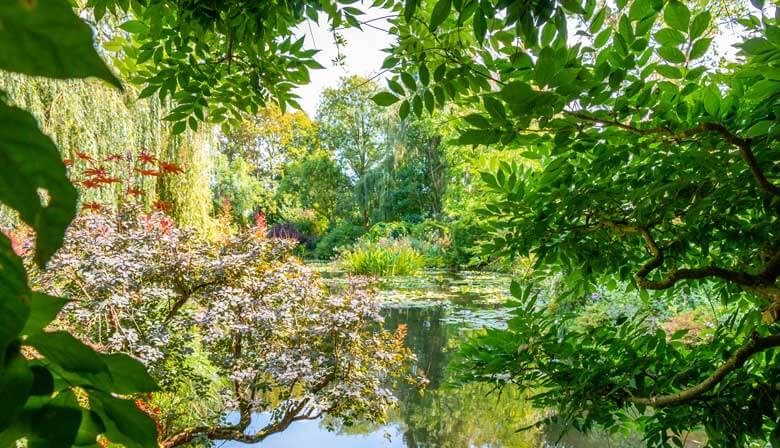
386, 257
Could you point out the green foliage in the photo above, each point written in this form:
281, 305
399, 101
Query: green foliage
653, 168
318, 183
234, 180
340, 236
40, 392
384, 257
217, 62
351, 128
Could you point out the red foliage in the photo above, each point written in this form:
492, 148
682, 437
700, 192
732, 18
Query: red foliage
163, 206
92, 206
170, 168
135, 192
113, 158
85, 156
146, 172
145, 157
67, 162
98, 171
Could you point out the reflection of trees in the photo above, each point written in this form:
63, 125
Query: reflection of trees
468, 416
453, 417
428, 338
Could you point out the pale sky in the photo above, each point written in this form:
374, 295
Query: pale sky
363, 52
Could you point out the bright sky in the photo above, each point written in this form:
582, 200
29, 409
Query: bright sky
363, 53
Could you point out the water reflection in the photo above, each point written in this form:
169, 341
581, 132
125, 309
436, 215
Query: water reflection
442, 416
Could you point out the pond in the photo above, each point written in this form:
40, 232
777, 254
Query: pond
439, 308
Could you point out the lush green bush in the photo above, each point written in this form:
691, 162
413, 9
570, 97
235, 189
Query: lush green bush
383, 257
343, 235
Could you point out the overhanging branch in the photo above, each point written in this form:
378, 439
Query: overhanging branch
755, 344
744, 145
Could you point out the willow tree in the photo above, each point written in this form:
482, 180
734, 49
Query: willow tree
658, 171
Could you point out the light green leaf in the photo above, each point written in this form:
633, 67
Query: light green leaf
669, 71
671, 54
669, 36
677, 15
598, 21
711, 100
384, 99
759, 129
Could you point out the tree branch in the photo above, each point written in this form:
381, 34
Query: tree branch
744, 145
293, 413
755, 344
765, 278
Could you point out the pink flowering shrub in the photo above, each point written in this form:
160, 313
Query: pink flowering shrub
280, 341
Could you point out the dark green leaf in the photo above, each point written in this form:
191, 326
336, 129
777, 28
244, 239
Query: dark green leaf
700, 48
124, 422
480, 25
67, 352
671, 54
440, 12
46, 38
408, 81
31, 164
128, 375
43, 309
700, 24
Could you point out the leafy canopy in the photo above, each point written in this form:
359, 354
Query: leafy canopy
655, 170
219, 60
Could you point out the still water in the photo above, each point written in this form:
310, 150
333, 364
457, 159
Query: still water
439, 309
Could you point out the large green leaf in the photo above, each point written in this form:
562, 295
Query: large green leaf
124, 422
128, 375
677, 15
56, 424
67, 352
16, 379
33, 180
440, 12
43, 309
14, 293
46, 38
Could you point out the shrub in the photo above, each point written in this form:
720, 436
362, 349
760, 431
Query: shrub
343, 235
265, 323
385, 257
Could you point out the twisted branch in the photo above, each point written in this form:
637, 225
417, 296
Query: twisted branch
755, 344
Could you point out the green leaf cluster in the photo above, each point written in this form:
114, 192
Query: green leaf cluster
46, 375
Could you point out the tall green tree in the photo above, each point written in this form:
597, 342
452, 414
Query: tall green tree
353, 128
317, 182
657, 171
